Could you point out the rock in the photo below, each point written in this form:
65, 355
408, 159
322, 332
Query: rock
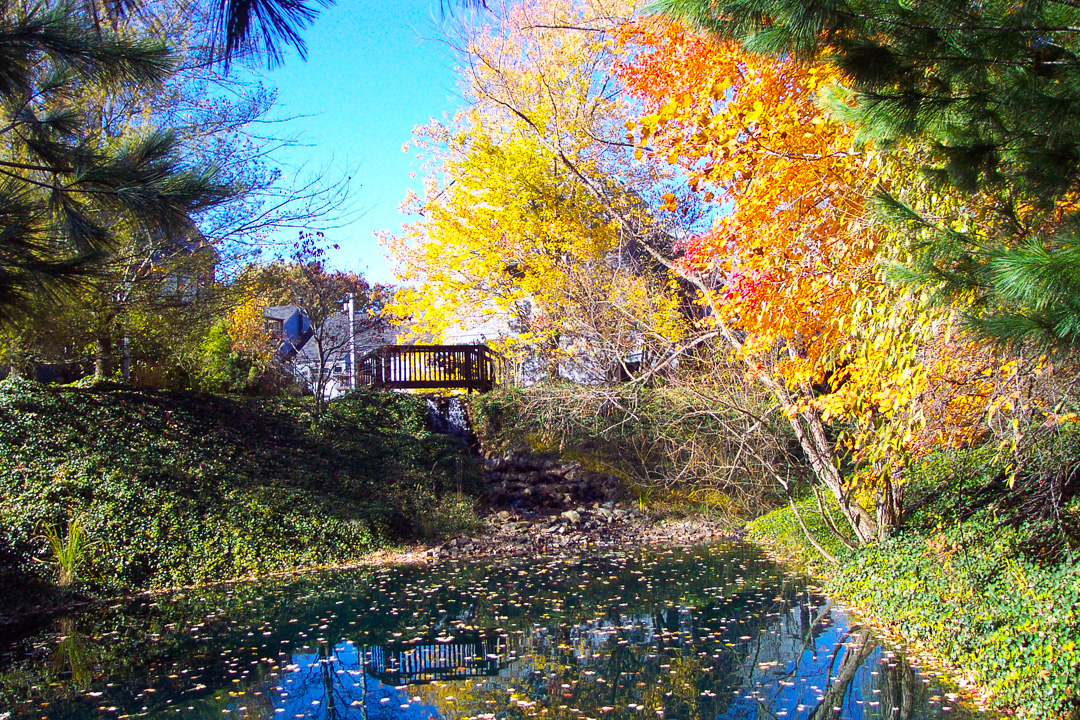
572, 515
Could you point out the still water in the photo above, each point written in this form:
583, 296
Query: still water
707, 633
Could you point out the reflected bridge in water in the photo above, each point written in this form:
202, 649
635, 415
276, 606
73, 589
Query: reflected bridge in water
420, 664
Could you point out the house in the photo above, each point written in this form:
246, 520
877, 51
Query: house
186, 268
289, 326
329, 349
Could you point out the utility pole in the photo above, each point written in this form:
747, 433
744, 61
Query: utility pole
352, 341
125, 357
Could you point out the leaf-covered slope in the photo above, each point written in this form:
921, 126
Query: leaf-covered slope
178, 488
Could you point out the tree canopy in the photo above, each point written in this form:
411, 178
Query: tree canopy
987, 92
534, 208
68, 188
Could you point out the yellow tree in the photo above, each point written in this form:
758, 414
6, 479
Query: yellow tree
517, 216
508, 240
245, 325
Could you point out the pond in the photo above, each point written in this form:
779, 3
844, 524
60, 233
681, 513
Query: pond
705, 633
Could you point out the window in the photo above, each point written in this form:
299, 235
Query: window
275, 327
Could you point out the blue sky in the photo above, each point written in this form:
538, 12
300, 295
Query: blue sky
374, 70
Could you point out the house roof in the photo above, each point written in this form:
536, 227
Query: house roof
281, 312
336, 332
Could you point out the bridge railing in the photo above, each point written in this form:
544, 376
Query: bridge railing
430, 367
421, 664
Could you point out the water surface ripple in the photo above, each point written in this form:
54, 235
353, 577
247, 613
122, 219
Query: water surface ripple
708, 633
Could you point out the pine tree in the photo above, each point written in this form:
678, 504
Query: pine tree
991, 93
65, 189
268, 26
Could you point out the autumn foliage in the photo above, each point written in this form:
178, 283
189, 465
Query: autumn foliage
519, 237
612, 172
792, 265
789, 243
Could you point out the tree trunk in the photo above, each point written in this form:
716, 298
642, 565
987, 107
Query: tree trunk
321, 376
125, 358
807, 424
889, 504
18, 361
810, 431
102, 355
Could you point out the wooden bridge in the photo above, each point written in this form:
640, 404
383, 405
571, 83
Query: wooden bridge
420, 664
431, 367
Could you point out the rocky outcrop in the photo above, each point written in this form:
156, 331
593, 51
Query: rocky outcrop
538, 483
539, 504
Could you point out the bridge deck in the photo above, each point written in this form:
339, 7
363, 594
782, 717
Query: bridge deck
431, 367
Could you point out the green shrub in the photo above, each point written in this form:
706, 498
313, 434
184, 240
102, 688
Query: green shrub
220, 368
780, 529
978, 573
442, 516
178, 488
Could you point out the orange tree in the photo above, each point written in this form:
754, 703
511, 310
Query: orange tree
788, 269
793, 273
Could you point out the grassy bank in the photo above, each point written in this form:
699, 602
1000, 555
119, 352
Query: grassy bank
170, 488
984, 574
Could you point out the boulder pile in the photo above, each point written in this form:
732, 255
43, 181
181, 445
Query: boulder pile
539, 504
514, 533
510, 533
538, 483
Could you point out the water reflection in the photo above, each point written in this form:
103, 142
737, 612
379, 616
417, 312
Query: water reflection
702, 634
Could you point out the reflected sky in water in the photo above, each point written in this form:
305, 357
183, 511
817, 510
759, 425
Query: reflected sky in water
709, 633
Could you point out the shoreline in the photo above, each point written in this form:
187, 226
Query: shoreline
501, 534
504, 534
973, 695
